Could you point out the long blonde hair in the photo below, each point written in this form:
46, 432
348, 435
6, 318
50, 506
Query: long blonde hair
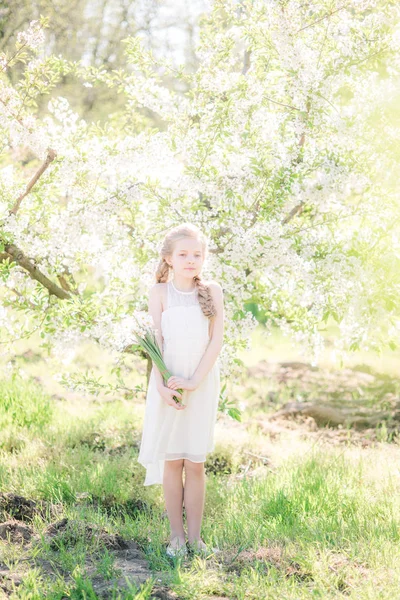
163, 269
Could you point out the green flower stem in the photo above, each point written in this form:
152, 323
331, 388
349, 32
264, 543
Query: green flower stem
151, 347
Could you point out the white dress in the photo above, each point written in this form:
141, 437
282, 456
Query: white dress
168, 433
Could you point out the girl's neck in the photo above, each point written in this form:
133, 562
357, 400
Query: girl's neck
184, 285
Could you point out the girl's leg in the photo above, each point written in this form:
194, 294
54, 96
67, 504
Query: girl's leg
194, 493
173, 494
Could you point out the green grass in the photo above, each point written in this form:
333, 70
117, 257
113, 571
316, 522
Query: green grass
23, 405
278, 348
317, 521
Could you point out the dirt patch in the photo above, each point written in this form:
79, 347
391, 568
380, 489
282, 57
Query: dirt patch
164, 593
24, 509
7, 580
70, 532
306, 427
15, 531
347, 570
131, 507
273, 556
129, 561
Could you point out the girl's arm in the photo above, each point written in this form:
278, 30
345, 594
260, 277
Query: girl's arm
155, 310
213, 349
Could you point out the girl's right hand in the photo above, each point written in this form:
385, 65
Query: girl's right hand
168, 395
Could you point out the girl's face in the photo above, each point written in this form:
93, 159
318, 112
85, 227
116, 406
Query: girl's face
187, 258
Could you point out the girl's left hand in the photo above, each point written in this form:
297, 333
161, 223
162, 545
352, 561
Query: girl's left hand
179, 383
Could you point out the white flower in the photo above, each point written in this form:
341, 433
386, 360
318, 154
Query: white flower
33, 36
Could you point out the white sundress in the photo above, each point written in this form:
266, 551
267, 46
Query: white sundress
169, 434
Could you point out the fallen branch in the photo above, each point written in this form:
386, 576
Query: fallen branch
324, 414
263, 458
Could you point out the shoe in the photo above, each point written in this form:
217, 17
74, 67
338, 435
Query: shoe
177, 552
207, 551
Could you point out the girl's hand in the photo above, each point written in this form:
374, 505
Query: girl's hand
179, 383
168, 395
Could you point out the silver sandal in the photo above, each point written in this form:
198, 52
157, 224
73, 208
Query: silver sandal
208, 551
173, 552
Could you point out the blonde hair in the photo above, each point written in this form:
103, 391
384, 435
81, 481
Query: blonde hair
163, 269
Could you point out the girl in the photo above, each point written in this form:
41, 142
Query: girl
188, 314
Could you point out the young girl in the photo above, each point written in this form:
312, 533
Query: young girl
188, 314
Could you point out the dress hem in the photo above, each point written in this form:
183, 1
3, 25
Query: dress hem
185, 458
151, 478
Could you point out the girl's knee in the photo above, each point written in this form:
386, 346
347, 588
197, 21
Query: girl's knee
193, 467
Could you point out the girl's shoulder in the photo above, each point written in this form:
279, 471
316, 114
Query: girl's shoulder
212, 284
161, 290
160, 286
216, 291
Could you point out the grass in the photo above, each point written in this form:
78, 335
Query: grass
278, 348
295, 515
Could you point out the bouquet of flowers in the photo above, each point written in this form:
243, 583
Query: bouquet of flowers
145, 334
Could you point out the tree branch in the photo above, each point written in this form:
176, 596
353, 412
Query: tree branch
325, 16
51, 154
297, 209
23, 261
246, 61
33, 307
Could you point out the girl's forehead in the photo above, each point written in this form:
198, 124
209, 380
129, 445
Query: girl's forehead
188, 245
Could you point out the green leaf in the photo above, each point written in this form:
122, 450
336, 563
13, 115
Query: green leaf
235, 414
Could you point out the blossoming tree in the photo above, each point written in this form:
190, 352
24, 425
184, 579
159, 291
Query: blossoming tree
281, 147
